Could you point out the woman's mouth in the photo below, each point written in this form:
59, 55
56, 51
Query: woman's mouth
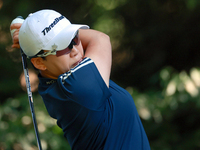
74, 65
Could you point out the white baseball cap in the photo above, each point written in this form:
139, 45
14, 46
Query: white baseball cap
44, 29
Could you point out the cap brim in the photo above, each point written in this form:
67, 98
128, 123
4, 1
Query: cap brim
64, 37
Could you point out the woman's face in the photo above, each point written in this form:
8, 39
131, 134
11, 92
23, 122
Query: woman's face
57, 65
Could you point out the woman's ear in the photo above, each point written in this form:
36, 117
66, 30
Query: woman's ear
38, 63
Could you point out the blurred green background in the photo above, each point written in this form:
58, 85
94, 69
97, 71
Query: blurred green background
156, 58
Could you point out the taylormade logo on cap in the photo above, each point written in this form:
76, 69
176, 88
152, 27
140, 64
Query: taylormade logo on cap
47, 29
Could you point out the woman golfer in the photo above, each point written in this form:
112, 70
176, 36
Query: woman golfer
74, 64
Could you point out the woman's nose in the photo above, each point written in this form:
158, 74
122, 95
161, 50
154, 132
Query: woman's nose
74, 51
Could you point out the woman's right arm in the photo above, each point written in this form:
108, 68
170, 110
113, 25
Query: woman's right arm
97, 46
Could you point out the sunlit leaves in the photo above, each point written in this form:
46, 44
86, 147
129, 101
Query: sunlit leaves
177, 88
16, 127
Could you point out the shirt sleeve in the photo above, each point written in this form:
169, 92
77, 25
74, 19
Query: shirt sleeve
85, 86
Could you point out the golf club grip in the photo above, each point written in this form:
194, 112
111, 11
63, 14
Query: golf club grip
20, 19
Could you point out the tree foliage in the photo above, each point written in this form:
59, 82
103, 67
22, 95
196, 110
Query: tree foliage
155, 57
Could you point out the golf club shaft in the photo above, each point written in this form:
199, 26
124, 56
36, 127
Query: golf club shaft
30, 97
20, 19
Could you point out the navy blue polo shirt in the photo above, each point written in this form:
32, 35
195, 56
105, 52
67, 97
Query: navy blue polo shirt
91, 115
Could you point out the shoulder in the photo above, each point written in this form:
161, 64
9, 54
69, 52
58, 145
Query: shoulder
84, 66
84, 85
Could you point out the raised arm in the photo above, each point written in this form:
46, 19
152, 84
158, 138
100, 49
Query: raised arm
97, 46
